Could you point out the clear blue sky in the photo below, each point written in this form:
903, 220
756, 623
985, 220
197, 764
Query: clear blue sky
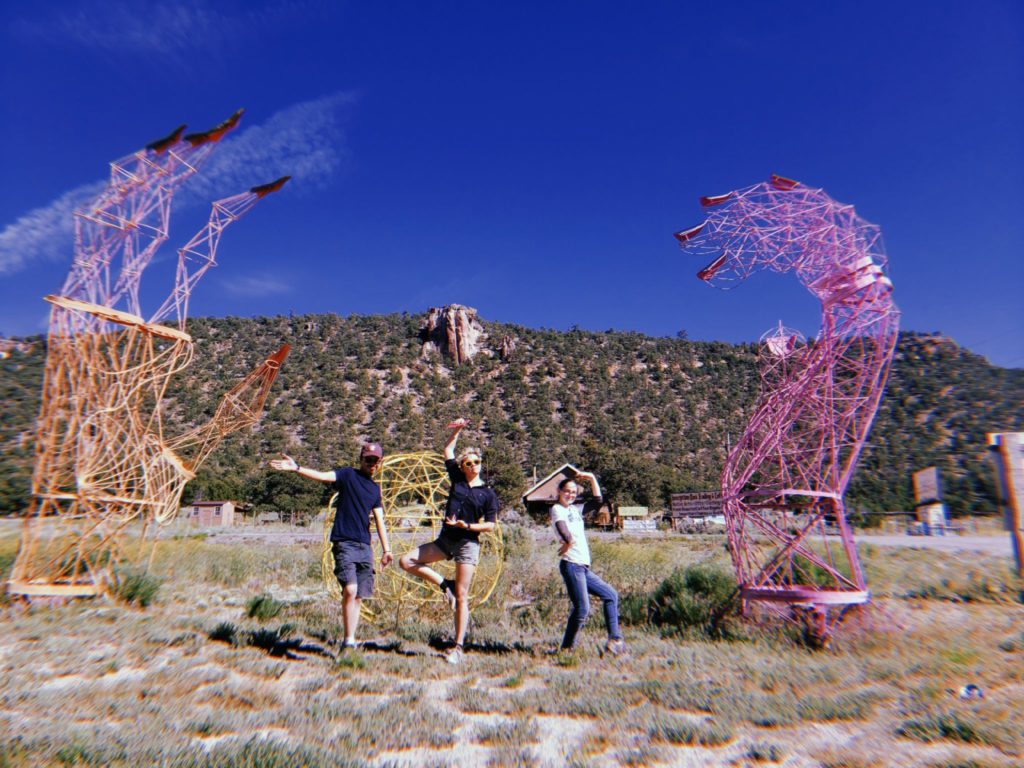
530, 159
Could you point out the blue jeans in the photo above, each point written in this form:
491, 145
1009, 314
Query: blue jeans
581, 583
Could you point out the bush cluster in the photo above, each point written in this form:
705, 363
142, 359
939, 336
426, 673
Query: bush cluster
693, 600
263, 607
135, 587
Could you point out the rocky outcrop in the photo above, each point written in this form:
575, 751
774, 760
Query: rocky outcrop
454, 331
506, 347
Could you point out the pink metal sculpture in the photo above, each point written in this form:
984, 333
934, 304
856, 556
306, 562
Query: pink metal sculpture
102, 457
784, 480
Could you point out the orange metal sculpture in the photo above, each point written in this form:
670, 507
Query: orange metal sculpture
103, 461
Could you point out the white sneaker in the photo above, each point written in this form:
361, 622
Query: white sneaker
454, 656
616, 647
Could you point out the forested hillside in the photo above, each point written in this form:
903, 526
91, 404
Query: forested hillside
651, 415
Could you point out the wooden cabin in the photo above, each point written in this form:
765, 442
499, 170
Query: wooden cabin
209, 514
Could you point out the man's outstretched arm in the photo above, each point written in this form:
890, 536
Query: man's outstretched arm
288, 464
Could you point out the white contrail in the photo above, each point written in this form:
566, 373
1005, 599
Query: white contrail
304, 141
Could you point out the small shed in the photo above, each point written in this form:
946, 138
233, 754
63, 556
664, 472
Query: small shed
539, 499
211, 513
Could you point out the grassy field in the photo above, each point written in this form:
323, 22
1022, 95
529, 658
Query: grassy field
227, 655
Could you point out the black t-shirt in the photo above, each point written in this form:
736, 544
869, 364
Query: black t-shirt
468, 503
358, 495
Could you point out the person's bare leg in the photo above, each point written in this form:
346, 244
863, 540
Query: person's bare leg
463, 578
417, 561
350, 604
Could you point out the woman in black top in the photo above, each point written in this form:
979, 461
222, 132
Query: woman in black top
471, 509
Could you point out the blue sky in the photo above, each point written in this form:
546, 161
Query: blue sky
529, 159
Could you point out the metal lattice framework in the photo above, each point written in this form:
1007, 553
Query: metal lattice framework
784, 480
414, 488
102, 458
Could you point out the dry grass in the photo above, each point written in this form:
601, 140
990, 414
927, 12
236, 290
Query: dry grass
190, 680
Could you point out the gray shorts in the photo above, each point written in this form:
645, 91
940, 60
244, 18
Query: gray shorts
464, 551
353, 564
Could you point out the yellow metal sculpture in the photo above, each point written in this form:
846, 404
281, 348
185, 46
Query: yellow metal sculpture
413, 488
102, 459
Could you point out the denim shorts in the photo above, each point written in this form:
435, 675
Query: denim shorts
464, 551
353, 564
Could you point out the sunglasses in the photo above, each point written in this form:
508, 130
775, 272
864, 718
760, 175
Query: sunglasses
369, 459
471, 463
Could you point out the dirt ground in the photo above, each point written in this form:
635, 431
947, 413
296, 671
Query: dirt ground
98, 683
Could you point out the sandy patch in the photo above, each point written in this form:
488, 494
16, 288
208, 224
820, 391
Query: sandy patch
62, 682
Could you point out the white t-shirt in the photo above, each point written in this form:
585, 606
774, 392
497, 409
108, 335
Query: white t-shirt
572, 516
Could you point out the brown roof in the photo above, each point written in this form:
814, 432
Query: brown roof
547, 489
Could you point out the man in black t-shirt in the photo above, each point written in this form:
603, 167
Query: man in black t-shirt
358, 498
472, 509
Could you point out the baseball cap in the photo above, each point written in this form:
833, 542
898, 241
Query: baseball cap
372, 449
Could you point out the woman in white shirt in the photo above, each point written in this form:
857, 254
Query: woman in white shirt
580, 580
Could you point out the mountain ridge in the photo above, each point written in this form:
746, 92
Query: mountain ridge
652, 415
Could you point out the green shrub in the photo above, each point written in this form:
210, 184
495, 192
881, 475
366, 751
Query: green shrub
350, 660
509, 733
135, 587
950, 725
678, 730
845, 706
8, 553
517, 541
634, 609
693, 599
508, 756
263, 607
640, 757
225, 632
762, 752
264, 753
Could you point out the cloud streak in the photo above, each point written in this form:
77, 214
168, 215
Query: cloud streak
304, 141
43, 234
253, 287
172, 31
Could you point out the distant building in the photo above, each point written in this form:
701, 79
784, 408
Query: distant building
210, 514
539, 499
635, 519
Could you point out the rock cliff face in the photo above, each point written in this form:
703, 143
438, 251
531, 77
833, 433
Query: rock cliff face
454, 331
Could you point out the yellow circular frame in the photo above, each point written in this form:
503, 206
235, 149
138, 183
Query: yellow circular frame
413, 489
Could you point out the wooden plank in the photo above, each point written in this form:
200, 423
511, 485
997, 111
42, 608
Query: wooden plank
33, 589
